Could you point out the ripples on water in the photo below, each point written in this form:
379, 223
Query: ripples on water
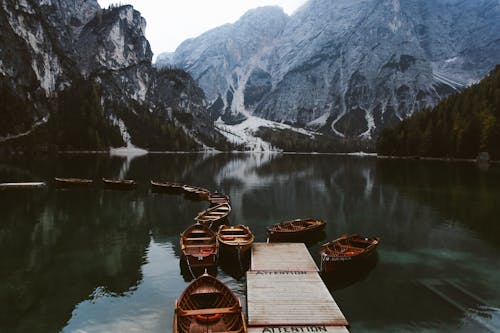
92, 260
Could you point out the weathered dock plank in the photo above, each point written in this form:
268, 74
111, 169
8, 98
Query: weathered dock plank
298, 329
290, 298
282, 257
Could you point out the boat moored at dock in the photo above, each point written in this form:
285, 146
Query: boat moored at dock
347, 250
195, 192
214, 216
199, 246
119, 184
235, 241
166, 187
72, 182
294, 229
208, 305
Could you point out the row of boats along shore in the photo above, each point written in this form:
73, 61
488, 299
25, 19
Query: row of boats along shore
207, 304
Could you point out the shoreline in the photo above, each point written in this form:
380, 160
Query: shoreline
124, 152
439, 159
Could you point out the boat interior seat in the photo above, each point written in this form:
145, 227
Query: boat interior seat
198, 238
354, 248
184, 313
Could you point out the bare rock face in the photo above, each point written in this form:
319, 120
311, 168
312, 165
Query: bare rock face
49, 47
347, 68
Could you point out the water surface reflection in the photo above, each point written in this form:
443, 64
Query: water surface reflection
97, 260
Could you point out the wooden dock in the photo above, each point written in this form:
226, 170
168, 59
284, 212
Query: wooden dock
285, 293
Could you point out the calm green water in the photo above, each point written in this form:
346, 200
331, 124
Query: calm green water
92, 260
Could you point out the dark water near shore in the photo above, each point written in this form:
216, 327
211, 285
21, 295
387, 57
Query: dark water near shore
93, 260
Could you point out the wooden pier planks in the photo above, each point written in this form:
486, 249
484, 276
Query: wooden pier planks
285, 293
298, 329
282, 257
290, 298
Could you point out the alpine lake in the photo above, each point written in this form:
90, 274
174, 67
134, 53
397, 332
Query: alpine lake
95, 260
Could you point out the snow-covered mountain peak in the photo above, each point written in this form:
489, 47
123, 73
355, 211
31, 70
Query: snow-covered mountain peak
346, 67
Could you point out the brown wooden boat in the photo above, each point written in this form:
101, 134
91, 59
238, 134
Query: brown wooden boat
199, 246
72, 182
119, 184
196, 193
214, 216
166, 187
235, 240
208, 305
295, 229
346, 250
217, 198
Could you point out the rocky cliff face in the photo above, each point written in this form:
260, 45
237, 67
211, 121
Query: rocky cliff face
344, 67
52, 49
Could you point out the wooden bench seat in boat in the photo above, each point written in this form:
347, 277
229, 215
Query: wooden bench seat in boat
197, 238
198, 245
184, 313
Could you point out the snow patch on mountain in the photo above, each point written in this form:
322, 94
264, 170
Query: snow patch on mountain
243, 134
348, 68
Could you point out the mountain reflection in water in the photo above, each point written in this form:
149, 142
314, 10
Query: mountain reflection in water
96, 260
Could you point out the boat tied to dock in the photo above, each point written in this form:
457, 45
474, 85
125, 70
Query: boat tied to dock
347, 250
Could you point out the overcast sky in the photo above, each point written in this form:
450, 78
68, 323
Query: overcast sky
169, 22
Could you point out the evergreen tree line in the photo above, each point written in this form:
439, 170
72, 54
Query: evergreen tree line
79, 122
460, 126
16, 113
291, 141
153, 131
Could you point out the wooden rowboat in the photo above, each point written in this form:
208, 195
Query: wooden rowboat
199, 246
196, 193
214, 216
119, 184
295, 229
21, 186
218, 198
235, 240
72, 182
167, 187
208, 305
347, 250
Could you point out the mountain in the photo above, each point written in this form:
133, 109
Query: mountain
341, 67
461, 125
75, 76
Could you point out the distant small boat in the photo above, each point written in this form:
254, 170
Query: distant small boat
214, 216
217, 198
119, 184
295, 229
235, 240
73, 182
208, 305
199, 245
25, 185
167, 187
196, 193
346, 249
